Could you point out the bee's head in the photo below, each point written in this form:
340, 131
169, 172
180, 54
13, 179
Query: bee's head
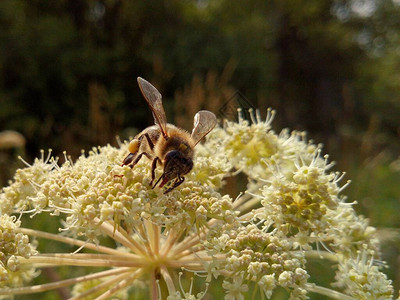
175, 164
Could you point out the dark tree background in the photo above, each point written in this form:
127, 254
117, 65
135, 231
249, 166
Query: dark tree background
68, 68
68, 73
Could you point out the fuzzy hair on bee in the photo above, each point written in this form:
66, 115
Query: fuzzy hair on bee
165, 144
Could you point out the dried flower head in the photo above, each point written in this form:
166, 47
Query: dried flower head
154, 242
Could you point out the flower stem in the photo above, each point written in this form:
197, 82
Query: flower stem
71, 241
156, 238
321, 254
62, 283
328, 292
120, 286
168, 280
248, 205
51, 260
142, 247
187, 243
173, 236
154, 292
117, 235
100, 286
145, 231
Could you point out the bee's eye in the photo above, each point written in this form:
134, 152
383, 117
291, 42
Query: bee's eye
174, 154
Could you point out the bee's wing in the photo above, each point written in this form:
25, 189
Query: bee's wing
154, 100
204, 122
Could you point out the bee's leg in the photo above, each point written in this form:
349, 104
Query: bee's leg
177, 182
138, 158
133, 148
128, 159
131, 160
153, 169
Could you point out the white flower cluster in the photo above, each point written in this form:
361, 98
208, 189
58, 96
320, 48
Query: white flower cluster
363, 280
266, 258
13, 246
261, 240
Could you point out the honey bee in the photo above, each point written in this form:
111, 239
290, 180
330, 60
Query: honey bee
166, 144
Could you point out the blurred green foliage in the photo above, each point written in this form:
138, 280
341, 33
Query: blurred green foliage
319, 63
68, 73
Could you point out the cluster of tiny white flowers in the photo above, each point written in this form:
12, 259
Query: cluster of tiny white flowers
263, 257
300, 196
363, 280
263, 238
302, 200
13, 246
16, 196
349, 232
245, 142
